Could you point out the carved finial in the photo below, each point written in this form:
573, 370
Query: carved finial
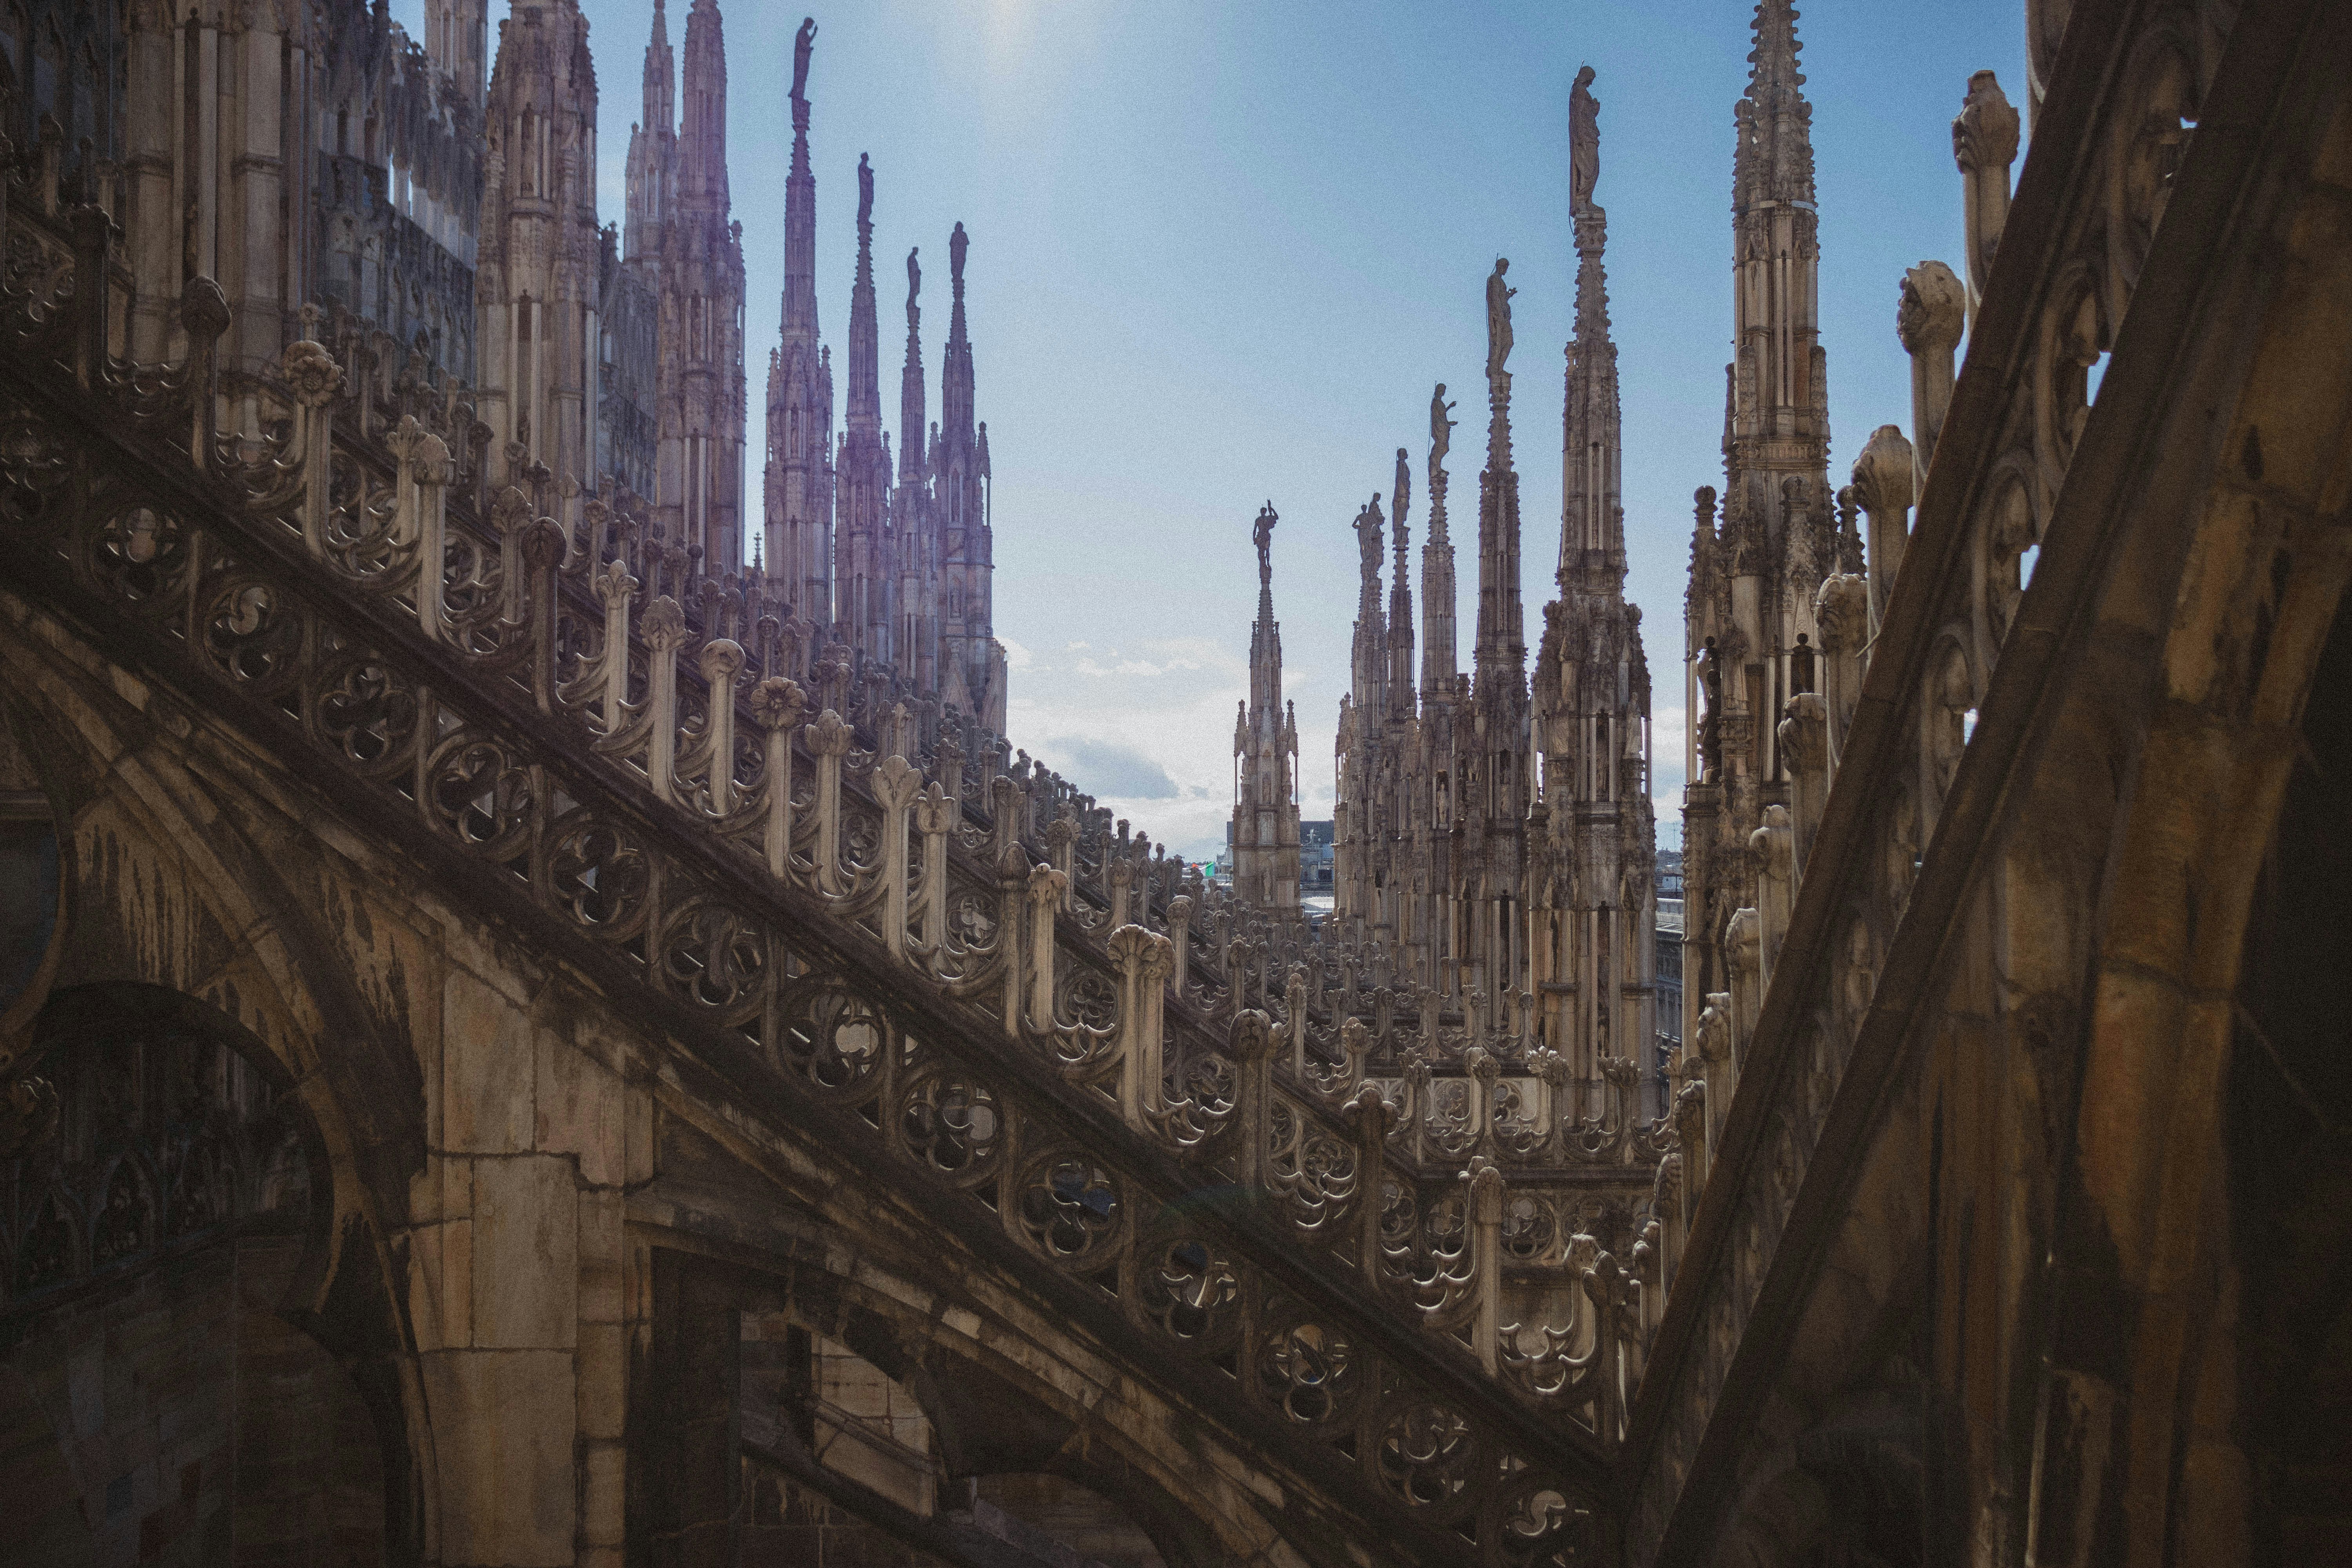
1985, 131
1933, 309
1882, 474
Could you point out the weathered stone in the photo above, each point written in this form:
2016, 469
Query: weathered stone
526, 1270
488, 1070
503, 1456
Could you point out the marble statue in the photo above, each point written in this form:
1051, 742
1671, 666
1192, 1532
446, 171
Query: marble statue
1583, 143
1267, 519
1441, 428
864, 190
914, 287
802, 44
1368, 525
1498, 319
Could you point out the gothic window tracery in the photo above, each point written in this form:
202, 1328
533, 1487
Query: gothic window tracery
166, 1133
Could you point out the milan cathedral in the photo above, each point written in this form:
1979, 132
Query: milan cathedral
526, 1038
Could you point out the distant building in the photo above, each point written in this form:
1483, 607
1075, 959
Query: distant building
1315, 857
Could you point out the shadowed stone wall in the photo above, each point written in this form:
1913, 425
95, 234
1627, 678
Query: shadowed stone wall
173, 1416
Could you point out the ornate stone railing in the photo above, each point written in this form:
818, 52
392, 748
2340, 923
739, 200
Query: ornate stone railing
953, 971
1859, 877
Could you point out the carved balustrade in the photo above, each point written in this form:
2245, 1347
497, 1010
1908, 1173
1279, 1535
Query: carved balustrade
857, 908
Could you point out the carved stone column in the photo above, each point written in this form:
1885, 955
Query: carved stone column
1294, 1020
1885, 480
1481, 1075
778, 706
828, 742
1804, 743
1743, 941
721, 660
895, 786
1179, 938
1984, 144
1486, 1192
1142, 958
1048, 890
314, 378
1928, 322
1370, 1119
1841, 610
1691, 1118
664, 629
1776, 887
1355, 1045
1061, 835
1122, 883
935, 818
1253, 1053
1718, 1070
543, 556
1005, 804
510, 513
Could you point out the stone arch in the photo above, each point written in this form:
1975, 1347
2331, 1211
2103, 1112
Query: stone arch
197, 1376
1001, 1402
2287, 1108
2231, 588
189, 893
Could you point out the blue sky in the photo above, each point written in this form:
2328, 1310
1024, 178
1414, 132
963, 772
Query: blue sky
1220, 253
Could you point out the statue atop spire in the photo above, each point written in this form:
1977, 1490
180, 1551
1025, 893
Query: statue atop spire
1498, 319
1592, 536
1266, 746
912, 453
1400, 630
1368, 526
799, 487
802, 43
1437, 565
865, 194
1583, 143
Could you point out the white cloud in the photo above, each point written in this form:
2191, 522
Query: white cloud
1146, 729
